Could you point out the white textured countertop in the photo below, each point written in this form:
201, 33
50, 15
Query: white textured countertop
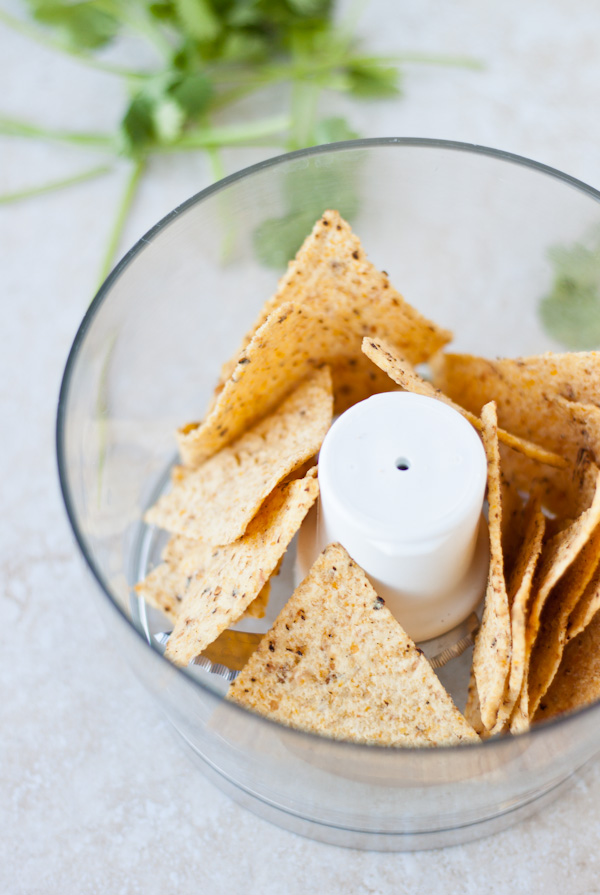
96, 794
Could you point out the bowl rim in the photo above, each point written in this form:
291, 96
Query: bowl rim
503, 742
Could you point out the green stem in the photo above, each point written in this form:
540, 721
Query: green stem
41, 38
232, 135
224, 210
11, 127
216, 163
54, 185
102, 415
421, 59
120, 220
305, 95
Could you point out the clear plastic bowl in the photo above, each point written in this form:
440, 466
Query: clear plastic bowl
464, 233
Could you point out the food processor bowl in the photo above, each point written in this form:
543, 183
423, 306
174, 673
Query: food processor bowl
466, 234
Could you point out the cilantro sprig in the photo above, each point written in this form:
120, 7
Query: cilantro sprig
209, 54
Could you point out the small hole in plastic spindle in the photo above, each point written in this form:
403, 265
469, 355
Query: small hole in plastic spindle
402, 464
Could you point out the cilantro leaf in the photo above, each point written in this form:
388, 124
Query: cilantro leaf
83, 25
308, 192
137, 127
192, 92
333, 130
570, 313
373, 80
199, 19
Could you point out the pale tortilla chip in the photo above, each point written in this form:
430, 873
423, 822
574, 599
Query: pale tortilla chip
216, 502
237, 572
330, 298
491, 655
577, 682
188, 554
586, 608
337, 663
473, 709
557, 555
403, 374
166, 586
551, 639
534, 395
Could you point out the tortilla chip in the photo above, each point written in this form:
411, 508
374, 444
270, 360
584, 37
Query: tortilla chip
216, 502
403, 374
330, 298
519, 590
337, 663
551, 639
535, 398
166, 586
557, 555
577, 682
491, 656
258, 606
473, 709
355, 379
236, 573
514, 526
332, 256
586, 608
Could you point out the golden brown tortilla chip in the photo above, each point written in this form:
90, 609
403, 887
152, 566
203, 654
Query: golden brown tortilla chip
586, 608
473, 709
550, 642
533, 395
577, 682
557, 555
403, 374
519, 590
216, 502
331, 298
337, 663
236, 573
491, 655
332, 257
355, 379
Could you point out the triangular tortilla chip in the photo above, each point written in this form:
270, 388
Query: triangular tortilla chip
557, 555
330, 298
577, 682
551, 639
166, 586
332, 257
491, 655
533, 395
519, 591
586, 608
403, 374
216, 502
236, 573
337, 663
